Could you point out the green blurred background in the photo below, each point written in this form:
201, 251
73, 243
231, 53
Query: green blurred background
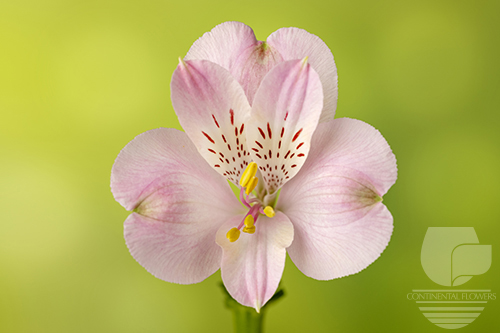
80, 79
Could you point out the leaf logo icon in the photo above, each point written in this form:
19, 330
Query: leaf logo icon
452, 256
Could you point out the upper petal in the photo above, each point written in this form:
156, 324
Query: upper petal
179, 202
253, 265
334, 202
284, 115
224, 44
233, 46
295, 43
212, 109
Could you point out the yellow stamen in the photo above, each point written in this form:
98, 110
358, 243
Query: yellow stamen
248, 174
249, 225
251, 185
269, 211
249, 221
248, 230
233, 235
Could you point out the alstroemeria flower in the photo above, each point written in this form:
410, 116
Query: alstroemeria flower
251, 113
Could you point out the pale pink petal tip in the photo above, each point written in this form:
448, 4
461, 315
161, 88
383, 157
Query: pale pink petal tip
252, 266
284, 115
334, 202
179, 203
295, 43
212, 109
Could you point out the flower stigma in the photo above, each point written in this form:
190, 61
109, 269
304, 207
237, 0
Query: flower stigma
248, 182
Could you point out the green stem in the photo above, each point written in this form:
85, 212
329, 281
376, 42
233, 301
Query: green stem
245, 319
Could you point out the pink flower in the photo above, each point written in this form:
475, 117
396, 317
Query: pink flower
250, 110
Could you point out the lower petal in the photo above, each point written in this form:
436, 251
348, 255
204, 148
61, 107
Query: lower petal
252, 266
175, 252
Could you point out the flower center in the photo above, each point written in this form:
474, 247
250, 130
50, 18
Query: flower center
248, 182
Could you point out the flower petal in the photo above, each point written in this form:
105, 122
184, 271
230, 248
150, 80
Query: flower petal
252, 266
233, 46
295, 43
223, 45
212, 109
284, 116
340, 224
179, 202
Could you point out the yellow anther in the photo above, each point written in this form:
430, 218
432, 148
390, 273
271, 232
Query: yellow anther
248, 174
269, 211
251, 185
233, 234
249, 221
249, 230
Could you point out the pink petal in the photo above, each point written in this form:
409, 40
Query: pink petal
233, 46
179, 203
224, 44
294, 43
253, 265
340, 224
212, 109
284, 116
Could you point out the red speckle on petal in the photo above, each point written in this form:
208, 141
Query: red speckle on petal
241, 128
297, 134
212, 151
301, 155
286, 115
258, 144
300, 145
224, 138
208, 137
216, 123
269, 131
262, 133
231, 113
